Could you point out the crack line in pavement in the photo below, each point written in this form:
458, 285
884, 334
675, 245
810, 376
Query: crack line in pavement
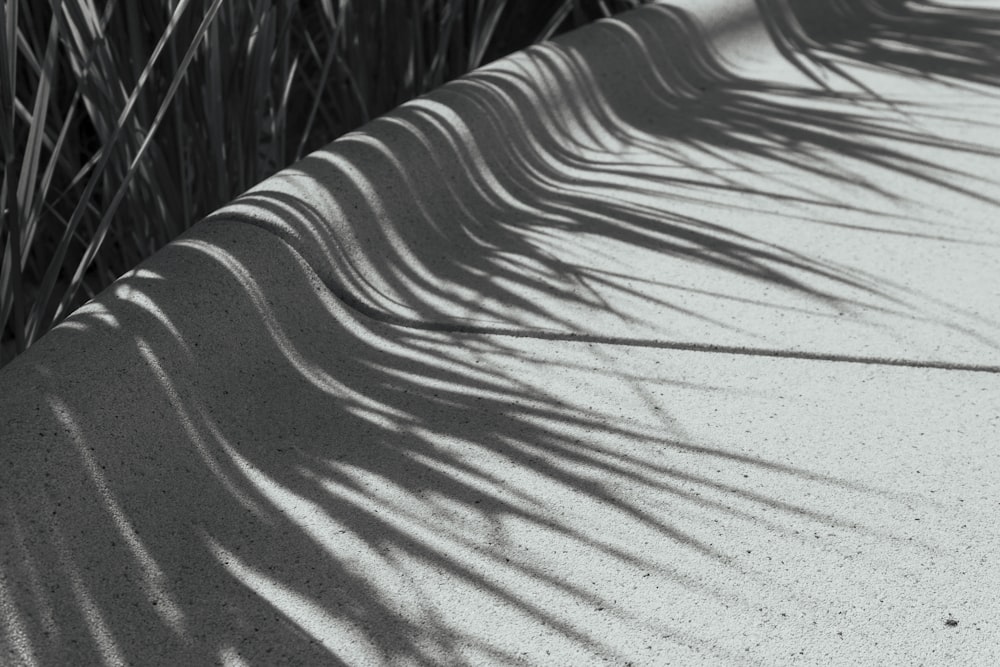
746, 351
623, 341
384, 317
371, 312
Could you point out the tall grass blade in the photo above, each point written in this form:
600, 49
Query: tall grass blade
161, 112
46, 307
557, 19
10, 277
28, 179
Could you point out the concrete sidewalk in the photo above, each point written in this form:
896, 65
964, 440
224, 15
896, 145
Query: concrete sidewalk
675, 341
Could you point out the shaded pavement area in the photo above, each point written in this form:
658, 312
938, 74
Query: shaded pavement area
673, 341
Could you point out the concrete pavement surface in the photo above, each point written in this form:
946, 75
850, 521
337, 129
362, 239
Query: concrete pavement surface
674, 341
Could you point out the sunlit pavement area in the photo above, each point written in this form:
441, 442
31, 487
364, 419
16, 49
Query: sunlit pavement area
674, 341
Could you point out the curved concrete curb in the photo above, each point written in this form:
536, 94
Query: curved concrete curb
629, 183
236, 455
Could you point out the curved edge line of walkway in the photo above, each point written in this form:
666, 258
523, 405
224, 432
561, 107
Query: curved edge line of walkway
365, 309
331, 246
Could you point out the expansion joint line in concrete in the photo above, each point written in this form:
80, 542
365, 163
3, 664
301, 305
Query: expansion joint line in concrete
367, 310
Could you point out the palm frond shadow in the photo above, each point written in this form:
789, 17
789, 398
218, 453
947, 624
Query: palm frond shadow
484, 184
921, 38
314, 484
309, 482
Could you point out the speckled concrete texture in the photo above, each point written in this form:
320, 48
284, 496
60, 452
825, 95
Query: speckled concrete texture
674, 176
271, 444
218, 461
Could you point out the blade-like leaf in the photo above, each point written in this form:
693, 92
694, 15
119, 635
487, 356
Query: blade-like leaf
27, 182
45, 307
555, 21
110, 211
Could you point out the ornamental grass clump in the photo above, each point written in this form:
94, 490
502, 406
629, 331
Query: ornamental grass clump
122, 123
